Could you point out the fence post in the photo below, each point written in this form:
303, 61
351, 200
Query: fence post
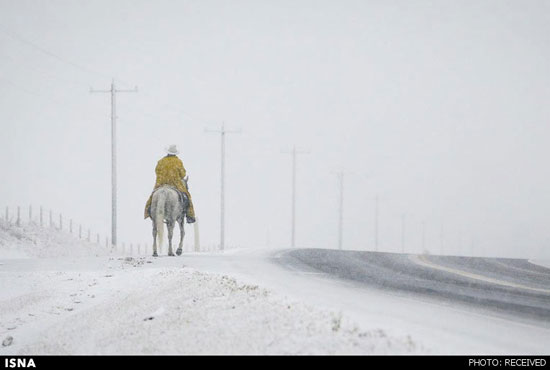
41, 218
18, 222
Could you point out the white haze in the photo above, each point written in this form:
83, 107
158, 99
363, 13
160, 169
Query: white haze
439, 107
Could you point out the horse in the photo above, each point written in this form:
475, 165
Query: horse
166, 207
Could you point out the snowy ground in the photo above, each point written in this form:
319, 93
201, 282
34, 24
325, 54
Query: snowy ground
238, 302
92, 304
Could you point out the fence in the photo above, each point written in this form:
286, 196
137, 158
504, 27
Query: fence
47, 219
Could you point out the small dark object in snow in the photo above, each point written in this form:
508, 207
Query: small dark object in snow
12, 328
108, 275
148, 318
8, 341
149, 262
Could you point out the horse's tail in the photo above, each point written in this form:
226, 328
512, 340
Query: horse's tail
159, 219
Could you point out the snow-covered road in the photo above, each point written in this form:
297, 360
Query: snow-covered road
514, 288
239, 301
439, 326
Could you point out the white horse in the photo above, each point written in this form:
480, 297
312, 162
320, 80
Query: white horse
166, 207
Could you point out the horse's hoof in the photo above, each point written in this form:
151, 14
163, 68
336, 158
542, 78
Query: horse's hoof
171, 254
178, 251
155, 254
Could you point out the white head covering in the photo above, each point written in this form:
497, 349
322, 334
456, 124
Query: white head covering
172, 149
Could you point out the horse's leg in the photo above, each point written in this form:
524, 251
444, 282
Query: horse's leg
170, 225
155, 254
182, 234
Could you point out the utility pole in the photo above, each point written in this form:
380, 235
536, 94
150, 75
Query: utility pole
340, 209
423, 236
403, 220
460, 242
222, 133
376, 223
442, 239
294, 152
113, 92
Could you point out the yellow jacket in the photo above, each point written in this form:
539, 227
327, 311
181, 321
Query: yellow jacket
170, 171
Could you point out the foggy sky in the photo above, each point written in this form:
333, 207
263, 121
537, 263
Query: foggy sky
441, 108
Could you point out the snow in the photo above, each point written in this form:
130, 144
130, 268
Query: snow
437, 326
543, 263
69, 297
33, 241
113, 305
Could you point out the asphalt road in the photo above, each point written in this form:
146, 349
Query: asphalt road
512, 287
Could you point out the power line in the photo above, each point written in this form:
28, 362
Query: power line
30, 92
3, 29
43, 72
44, 51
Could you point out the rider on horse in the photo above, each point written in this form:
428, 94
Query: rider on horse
170, 171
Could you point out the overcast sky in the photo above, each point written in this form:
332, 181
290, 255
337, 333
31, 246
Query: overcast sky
441, 108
